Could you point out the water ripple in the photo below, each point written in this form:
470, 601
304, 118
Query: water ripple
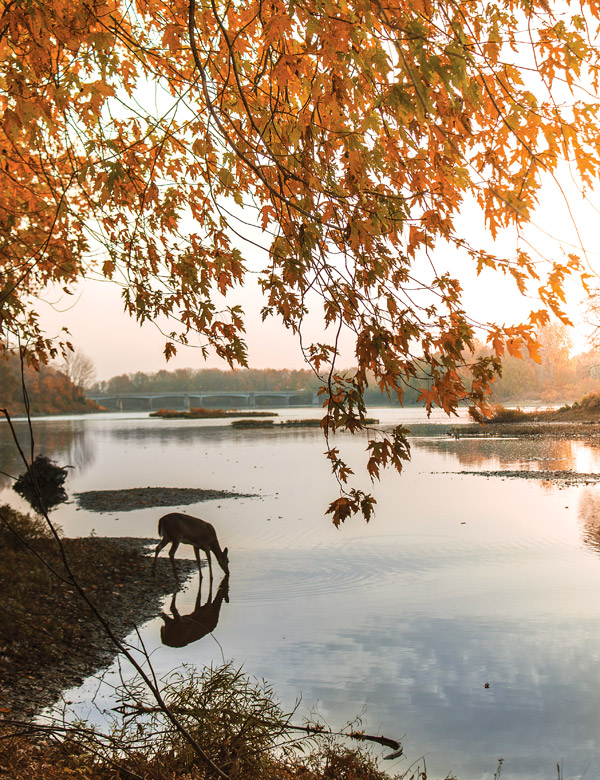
305, 573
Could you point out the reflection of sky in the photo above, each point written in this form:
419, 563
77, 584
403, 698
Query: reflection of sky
456, 582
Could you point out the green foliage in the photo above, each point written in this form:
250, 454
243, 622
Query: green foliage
211, 379
207, 379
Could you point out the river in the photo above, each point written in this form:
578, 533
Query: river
463, 619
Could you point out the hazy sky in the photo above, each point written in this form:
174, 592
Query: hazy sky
116, 344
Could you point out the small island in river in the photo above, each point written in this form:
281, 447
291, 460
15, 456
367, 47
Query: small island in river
200, 413
128, 499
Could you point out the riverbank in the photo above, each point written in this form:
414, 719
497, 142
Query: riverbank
49, 639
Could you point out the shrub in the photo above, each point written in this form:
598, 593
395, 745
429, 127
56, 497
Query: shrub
503, 415
16, 526
239, 725
477, 415
42, 484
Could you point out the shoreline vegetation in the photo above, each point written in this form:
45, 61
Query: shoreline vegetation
247, 419
562, 378
585, 411
49, 390
311, 423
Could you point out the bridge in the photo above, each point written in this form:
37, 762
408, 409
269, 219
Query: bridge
188, 399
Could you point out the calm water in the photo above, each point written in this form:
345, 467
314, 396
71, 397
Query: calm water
458, 581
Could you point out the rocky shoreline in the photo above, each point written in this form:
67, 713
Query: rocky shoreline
51, 641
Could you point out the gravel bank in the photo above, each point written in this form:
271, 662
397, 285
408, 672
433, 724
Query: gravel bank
49, 639
561, 478
141, 498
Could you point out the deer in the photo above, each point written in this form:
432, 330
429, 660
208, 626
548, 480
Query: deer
178, 528
180, 630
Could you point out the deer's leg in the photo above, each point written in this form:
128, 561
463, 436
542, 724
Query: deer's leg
198, 603
197, 551
161, 545
209, 565
172, 551
173, 607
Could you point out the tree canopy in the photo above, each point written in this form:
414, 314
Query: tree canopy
144, 141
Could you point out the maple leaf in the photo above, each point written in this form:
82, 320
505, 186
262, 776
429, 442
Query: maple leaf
170, 350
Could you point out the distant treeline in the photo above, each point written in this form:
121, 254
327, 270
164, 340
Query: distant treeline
550, 382
59, 389
49, 390
207, 379
558, 378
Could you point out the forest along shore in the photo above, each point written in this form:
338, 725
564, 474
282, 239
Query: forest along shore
49, 639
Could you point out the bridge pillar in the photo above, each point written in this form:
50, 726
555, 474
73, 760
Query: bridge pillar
186, 402
251, 399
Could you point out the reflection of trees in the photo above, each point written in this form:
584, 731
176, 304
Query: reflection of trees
66, 442
164, 433
589, 517
536, 454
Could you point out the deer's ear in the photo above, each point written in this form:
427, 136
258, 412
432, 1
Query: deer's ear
225, 551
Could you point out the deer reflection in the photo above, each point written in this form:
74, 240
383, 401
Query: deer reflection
181, 630
589, 517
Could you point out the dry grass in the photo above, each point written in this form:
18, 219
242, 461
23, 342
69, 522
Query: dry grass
236, 721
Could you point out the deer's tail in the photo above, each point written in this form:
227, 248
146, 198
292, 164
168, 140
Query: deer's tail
160, 530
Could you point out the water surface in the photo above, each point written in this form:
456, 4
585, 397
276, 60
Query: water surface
459, 581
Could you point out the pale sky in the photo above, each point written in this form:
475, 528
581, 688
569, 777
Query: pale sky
117, 345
